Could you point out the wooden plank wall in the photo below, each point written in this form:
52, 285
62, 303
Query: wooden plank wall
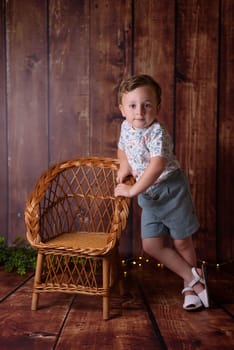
196, 108
225, 134
3, 128
61, 63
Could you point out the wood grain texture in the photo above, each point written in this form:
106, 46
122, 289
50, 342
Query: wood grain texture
27, 104
154, 50
63, 321
3, 127
110, 59
196, 110
208, 329
11, 282
25, 329
61, 64
150, 315
129, 328
69, 36
225, 193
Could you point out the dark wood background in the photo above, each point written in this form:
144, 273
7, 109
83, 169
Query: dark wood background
61, 62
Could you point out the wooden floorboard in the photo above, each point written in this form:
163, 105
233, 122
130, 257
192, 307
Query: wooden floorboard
21, 328
208, 329
127, 328
10, 282
149, 317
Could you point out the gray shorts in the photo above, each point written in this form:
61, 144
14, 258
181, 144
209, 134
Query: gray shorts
168, 209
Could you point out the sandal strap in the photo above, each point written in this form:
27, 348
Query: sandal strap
187, 289
197, 278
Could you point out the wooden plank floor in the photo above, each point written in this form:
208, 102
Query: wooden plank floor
150, 318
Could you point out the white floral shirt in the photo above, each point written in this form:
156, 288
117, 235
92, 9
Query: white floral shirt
140, 145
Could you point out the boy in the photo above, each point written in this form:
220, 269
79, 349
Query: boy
145, 150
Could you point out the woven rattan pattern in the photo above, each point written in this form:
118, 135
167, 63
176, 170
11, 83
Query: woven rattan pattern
74, 221
76, 195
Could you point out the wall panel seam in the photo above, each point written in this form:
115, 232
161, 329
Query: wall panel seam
219, 58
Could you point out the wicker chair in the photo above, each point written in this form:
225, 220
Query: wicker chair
75, 222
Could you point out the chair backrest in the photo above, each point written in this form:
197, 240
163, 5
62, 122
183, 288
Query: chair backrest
76, 195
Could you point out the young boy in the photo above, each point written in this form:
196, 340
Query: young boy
145, 150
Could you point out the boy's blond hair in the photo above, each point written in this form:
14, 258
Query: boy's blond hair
136, 81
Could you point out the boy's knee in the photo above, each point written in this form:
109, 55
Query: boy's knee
182, 244
146, 246
151, 246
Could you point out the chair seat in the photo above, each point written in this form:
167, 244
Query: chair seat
80, 240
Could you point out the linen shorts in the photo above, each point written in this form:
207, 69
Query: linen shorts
168, 209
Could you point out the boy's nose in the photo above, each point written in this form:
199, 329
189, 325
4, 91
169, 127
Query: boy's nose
140, 110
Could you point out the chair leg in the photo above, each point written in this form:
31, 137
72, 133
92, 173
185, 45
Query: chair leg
106, 282
37, 280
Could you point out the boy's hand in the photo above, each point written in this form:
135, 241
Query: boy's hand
123, 190
121, 175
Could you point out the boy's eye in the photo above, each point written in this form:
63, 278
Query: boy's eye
147, 105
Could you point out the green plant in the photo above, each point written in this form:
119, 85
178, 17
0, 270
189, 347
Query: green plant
19, 257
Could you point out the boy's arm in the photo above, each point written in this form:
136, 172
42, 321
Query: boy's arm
124, 168
150, 175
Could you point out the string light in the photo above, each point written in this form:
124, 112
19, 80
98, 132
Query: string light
217, 265
140, 262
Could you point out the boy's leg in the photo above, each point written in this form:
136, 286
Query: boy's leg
186, 249
174, 261
156, 248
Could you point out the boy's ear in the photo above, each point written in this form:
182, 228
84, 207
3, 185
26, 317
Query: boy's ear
121, 109
158, 107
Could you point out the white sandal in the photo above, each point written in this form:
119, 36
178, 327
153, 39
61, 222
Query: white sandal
191, 302
203, 295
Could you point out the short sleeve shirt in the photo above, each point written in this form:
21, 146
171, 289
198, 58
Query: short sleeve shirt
140, 145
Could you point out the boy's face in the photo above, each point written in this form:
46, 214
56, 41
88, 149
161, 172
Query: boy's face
140, 107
